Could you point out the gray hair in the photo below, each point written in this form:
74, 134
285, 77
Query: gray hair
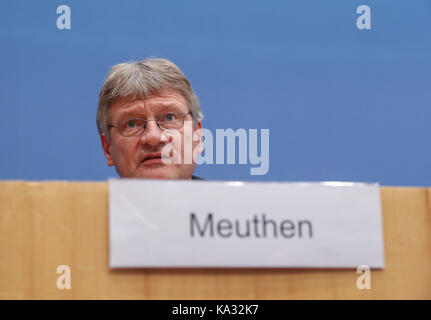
139, 79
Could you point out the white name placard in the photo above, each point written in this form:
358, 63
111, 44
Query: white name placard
155, 223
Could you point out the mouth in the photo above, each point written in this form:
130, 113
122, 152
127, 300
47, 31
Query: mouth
152, 159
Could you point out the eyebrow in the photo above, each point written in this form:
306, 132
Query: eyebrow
163, 108
170, 105
129, 114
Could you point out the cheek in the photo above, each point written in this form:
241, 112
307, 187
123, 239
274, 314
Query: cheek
123, 151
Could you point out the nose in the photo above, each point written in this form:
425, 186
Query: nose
152, 134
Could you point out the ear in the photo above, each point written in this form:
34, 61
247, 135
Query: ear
198, 131
106, 145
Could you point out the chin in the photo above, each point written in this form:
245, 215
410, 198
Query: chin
158, 172
161, 171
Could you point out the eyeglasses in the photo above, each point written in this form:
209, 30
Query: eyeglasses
136, 127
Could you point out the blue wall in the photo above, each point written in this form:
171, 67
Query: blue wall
340, 103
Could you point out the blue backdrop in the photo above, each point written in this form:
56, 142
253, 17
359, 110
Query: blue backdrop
340, 103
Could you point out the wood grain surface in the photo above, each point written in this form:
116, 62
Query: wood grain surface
47, 224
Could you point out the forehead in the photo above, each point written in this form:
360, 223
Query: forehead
154, 104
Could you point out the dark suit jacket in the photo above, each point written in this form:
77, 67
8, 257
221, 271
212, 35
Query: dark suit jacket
197, 178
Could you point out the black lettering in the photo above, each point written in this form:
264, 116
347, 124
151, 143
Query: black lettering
247, 233
208, 224
256, 222
310, 228
228, 227
287, 225
274, 226
249, 227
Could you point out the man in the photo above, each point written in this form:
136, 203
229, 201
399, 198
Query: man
149, 121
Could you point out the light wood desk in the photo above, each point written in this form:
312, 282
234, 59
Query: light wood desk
47, 224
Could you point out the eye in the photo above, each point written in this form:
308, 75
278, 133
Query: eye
170, 117
131, 124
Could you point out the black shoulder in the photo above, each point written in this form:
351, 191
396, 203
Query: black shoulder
197, 178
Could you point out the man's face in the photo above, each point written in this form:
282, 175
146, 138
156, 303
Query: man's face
141, 156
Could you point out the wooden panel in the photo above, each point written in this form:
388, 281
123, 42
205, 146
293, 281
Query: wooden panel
47, 224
